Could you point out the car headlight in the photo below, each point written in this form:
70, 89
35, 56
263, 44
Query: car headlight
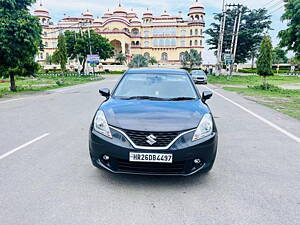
204, 128
100, 124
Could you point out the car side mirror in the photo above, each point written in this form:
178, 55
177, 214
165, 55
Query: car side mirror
105, 92
206, 95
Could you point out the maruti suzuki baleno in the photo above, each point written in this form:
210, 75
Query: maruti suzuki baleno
154, 122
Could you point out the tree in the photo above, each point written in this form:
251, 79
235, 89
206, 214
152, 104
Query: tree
290, 37
279, 56
253, 23
121, 58
20, 37
264, 61
60, 55
152, 60
79, 45
49, 59
138, 61
191, 58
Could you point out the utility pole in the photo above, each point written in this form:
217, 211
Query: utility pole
235, 34
221, 38
89, 33
77, 56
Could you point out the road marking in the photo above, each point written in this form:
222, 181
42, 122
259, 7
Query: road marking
11, 100
23, 146
276, 127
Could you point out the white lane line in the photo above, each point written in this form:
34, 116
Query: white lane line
23, 146
11, 100
276, 127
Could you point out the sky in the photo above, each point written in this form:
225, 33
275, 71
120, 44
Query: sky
60, 8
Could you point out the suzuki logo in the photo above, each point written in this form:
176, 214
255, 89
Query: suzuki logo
151, 139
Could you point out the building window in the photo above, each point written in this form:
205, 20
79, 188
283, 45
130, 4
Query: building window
47, 55
196, 32
146, 33
167, 42
135, 31
161, 42
164, 31
155, 42
46, 44
45, 34
164, 56
191, 32
191, 43
146, 43
181, 56
173, 42
147, 55
197, 17
41, 56
200, 42
196, 42
183, 33
182, 43
201, 32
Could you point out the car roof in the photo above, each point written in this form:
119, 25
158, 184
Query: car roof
157, 70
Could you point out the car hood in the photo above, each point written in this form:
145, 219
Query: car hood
146, 115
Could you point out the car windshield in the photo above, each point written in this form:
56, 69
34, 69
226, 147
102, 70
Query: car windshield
156, 87
198, 72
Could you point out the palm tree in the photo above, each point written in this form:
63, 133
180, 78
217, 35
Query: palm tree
191, 58
138, 61
121, 58
152, 60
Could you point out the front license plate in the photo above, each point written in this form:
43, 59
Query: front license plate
150, 157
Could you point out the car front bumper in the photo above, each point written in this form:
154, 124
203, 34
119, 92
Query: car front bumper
200, 80
184, 153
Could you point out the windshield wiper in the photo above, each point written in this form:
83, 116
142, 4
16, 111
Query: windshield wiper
144, 97
181, 98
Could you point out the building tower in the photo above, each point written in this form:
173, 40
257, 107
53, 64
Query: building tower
43, 15
196, 12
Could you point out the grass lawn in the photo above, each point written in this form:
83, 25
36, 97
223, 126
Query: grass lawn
253, 80
41, 83
285, 101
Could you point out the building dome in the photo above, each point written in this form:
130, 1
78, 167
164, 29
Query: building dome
135, 20
41, 11
87, 14
165, 14
120, 11
148, 13
196, 6
107, 14
98, 20
132, 14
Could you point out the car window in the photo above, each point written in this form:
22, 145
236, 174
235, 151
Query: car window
198, 72
156, 85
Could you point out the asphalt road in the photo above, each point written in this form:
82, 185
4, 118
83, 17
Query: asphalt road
46, 176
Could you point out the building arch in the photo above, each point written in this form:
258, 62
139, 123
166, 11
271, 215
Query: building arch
117, 46
135, 31
164, 56
147, 55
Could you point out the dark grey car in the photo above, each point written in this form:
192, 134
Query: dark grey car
199, 77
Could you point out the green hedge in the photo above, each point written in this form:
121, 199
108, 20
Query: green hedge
249, 70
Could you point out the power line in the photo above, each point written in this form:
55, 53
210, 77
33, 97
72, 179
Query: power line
275, 10
275, 4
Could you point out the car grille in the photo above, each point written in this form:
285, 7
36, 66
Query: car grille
158, 168
163, 139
